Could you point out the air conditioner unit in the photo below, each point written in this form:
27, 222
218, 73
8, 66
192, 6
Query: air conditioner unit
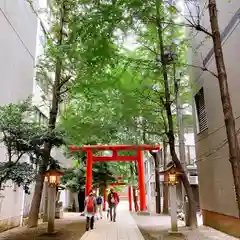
193, 180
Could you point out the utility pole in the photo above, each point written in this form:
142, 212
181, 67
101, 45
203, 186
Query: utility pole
156, 157
181, 141
165, 187
182, 158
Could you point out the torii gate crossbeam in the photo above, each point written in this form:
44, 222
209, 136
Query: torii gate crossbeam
115, 157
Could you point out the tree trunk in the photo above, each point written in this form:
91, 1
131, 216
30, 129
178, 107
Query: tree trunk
157, 182
233, 146
134, 196
165, 187
53, 112
36, 201
45, 203
170, 134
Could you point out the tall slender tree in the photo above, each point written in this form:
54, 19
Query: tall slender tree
55, 62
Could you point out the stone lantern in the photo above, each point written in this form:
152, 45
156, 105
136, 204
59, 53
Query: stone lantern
171, 175
52, 176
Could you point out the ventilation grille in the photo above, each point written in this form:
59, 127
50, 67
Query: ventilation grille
201, 111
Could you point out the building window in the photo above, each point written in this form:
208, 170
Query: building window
172, 2
201, 111
190, 155
40, 118
152, 165
188, 130
146, 167
153, 189
42, 80
42, 40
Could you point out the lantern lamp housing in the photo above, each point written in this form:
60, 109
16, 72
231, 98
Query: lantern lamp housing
172, 178
53, 176
171, 175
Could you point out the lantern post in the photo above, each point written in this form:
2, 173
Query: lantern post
52, 176
171, 178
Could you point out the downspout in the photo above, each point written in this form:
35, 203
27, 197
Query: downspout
22, 209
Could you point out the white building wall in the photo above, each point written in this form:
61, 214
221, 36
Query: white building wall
17, 43
17, 46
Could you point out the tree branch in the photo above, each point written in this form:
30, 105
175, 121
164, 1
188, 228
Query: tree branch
64, 81
204, 69
46, 33
151, 50
64, 91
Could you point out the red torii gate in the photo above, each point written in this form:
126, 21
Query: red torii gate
115, 157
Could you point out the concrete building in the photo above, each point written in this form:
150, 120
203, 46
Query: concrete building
18, 48
21, 43
217, 196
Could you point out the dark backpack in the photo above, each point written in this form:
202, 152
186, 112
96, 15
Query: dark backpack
99, 200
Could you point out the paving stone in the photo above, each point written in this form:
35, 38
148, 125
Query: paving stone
125, 228
158, 226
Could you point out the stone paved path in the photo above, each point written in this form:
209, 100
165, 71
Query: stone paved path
124, 228
158, 226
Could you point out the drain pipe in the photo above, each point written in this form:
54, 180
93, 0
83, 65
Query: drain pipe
22, 209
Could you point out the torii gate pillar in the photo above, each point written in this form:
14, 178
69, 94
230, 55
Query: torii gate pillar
141, 182
89, 164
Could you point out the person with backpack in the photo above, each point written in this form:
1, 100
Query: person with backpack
113, 200
99, 202
90, 210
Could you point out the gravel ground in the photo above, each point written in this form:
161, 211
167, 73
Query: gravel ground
70, 228
155, 227
150, 234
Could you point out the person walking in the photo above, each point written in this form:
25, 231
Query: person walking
113, 200
90, 210
99, 202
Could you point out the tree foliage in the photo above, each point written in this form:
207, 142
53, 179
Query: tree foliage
75, 178
131, 97
117, 95
23, 140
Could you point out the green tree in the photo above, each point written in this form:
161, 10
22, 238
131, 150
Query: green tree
74, 178
128, 93
23, 139
57, 61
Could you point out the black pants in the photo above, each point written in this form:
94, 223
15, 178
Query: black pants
89, 221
